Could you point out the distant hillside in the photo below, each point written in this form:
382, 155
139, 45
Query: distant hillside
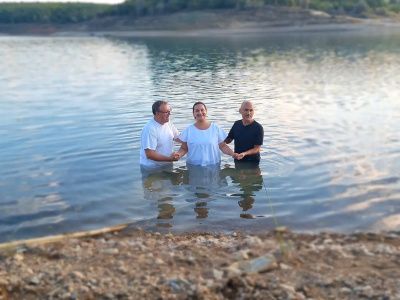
218, 19
49, 18
69, 13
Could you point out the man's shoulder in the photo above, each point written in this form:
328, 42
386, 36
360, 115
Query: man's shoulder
258, 125
237, 123
150, 122
151, 125
170, 124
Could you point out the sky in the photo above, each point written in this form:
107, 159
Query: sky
87, 1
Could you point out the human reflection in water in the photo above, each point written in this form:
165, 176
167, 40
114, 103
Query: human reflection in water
247, 176
159, 187
204, 182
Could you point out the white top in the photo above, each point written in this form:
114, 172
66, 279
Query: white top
203, 149
159, 138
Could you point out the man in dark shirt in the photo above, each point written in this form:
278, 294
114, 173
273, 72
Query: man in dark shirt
248, 135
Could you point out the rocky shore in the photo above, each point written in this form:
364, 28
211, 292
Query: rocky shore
135, 264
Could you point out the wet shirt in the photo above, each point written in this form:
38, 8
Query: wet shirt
203, 145
246, 137
158, 137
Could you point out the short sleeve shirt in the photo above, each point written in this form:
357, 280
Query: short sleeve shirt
203, 145
246, 137
157, 137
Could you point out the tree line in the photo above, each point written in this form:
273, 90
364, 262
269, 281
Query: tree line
151, 7
50, 12
78, 12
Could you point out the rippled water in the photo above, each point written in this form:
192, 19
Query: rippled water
71, 111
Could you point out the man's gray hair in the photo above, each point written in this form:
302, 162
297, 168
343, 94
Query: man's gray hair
245, 102
156, 106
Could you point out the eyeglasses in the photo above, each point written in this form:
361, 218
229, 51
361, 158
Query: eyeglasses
165, 112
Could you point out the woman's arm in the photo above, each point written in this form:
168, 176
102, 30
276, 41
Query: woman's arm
226, 150
178, 140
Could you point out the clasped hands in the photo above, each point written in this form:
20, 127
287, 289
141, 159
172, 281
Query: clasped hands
238, 156
175, 156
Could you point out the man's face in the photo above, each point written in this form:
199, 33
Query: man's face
163, 113
247, 111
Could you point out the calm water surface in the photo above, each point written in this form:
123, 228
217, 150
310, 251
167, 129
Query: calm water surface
71, 111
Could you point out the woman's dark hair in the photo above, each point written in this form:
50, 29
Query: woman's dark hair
199, 102
156, 106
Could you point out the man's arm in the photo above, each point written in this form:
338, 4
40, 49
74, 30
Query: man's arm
257, 148
154, 155
181, 152
228, 140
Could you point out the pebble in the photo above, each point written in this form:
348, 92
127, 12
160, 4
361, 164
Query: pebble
345, 290
242, 254
78, 274
253, 241
285, 266
218, 275
288, 288
18, 257
111, 251
84, 289
209, 283
364, 290
178, 285
260, 264
34, 280
29, 271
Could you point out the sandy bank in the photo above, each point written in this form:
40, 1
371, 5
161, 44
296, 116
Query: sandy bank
256, 31
136, 264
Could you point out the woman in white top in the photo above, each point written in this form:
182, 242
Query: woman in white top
203, 140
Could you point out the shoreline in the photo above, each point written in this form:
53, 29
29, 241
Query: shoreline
293, 29
135, 264
349, 28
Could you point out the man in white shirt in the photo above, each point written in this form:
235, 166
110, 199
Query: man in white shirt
157, 138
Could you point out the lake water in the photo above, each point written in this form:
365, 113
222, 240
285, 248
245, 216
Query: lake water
72, 108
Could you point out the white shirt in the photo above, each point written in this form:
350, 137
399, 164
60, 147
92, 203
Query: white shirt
203, 145
159, 138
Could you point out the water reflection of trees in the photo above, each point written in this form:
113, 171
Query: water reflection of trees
181, 55
212, 53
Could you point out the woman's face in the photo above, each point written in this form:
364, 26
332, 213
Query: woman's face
199, 112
